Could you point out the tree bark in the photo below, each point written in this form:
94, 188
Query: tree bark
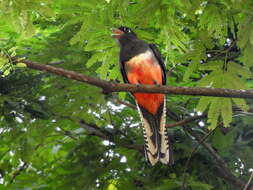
109, 87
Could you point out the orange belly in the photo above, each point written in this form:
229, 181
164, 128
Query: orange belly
145, 71
151, 102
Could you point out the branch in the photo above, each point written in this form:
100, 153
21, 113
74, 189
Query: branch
18, 172
106, 135
126, 104
109, 87
249, 183
223, 169
186, 121
170, 125
203, 139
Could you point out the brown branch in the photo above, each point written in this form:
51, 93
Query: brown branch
106, 135
116, 87
170, 125
126, 104
186, 121
222, 167
249, 185
203, 139
18, 172
56, 63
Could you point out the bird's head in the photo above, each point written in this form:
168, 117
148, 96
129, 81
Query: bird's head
122, 33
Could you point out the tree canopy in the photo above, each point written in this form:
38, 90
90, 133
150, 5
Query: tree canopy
57, 133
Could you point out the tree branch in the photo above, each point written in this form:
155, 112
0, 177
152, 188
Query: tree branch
116, 87
170, 125
222, 167
106, 135
18, 172
186, 121
248, 185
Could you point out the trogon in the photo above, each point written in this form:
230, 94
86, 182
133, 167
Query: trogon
141, 63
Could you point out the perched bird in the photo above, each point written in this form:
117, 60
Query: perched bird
141, 63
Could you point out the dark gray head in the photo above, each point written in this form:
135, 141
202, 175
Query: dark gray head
123, 35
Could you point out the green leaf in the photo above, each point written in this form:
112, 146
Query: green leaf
114, 73
226, 111
214, 112
95, 58
196, 185
236, 69
21, 65
98, 44
195, 56
223, 142
203, 104
122, 95
3, 61
241, 103
212, 66
112, 187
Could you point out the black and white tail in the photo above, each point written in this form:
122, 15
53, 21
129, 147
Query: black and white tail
157, 146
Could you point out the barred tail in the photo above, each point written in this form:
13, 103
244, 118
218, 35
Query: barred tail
157, 146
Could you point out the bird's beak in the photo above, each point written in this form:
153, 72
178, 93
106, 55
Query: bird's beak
116, 33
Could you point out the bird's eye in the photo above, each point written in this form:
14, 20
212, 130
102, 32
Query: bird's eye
128, 30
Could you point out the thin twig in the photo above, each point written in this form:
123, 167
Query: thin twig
186, 121
126, 104
249, 183
222, 167
18, 172
192, 153
94, 130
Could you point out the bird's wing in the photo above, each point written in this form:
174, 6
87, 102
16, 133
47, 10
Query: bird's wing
123, 72
160, 60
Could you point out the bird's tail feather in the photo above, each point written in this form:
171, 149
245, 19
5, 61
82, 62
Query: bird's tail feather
157, 146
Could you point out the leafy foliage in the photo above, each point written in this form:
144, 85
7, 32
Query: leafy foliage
43, 142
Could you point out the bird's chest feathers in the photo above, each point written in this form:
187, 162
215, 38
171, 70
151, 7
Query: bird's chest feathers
144, 69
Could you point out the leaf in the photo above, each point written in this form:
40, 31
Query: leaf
233, 81
103, 70
122, 95
212, 20
21, 65
251, 37
226, 111
98, 44
203, 104
214, 112
223, 142
112, 187
197, 185
209, 79
3, 61
6, 72
212, 66
95, 58
236, 69
241, 103
195, 56
78, 37
114, 73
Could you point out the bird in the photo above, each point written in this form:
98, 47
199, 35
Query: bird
141, 63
